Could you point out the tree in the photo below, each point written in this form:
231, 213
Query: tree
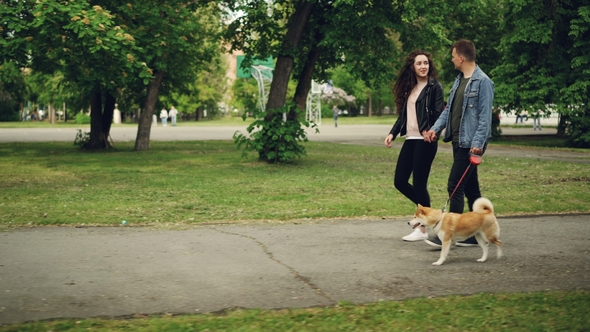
545, 62
81, 41
578, 90
104, 47
175, 40
12, 91
206, 92
307, 38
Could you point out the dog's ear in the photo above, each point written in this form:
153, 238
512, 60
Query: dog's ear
420, 210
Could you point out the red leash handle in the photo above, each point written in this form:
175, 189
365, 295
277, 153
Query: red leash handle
474, 159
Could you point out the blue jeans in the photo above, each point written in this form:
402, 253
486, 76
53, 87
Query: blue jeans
537, 122
164, 121
174, 121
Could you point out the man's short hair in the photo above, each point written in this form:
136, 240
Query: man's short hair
465, 48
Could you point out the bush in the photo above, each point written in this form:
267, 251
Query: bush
82, 138
9, 110
578, 129
276, 141
82, 118
327, 111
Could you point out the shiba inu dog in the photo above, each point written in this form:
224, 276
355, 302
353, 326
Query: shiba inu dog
452, 227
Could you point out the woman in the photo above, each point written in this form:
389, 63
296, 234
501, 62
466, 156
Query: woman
419, 101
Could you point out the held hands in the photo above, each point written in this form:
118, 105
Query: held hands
429, 136
388, 140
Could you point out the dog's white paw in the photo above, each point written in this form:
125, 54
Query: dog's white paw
437, 263
481, 260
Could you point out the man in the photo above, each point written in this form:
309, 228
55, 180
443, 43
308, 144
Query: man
468, 123
173, 112
335, 112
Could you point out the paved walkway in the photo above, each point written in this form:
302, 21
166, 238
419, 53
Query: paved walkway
55, 272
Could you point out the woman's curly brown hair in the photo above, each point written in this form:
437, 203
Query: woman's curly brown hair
406, 80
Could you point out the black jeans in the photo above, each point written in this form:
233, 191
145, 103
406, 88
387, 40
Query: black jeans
469, 186
415, 158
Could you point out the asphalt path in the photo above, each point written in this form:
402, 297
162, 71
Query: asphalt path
81, 272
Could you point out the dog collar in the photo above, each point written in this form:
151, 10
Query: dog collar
441, 218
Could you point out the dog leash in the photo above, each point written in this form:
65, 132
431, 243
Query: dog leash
474, 159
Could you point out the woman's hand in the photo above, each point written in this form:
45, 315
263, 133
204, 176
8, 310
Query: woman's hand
388, 140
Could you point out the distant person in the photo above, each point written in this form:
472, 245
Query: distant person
335, 112
468, 123
537, 119
154, 120
164, 117
419, 101
173, 112
523, 115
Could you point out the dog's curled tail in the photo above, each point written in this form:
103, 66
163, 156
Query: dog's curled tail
483, 206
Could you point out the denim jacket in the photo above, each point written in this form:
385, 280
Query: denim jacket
476, 123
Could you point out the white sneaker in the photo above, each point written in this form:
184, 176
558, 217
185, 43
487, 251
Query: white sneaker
416, 235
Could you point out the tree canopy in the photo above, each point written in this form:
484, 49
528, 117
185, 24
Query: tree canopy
544, 48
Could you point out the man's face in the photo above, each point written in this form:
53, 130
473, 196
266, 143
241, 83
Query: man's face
457, 59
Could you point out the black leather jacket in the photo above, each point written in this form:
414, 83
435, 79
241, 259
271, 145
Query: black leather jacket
429, 106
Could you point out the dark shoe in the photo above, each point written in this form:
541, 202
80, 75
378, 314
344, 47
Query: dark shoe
470, 242
434, 241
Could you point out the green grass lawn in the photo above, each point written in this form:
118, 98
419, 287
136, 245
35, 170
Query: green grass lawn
545, 311
188, 182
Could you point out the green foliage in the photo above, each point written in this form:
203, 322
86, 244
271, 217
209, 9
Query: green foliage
578, 130
82, 118
12, 91
275, 141
545, 54
8, 108
245, 95
354, 33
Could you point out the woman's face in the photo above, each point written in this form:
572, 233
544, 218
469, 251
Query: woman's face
421, 66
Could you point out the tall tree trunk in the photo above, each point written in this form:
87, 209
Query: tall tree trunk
199, 113
142, 142
107, 115
370, 106
51, 111
97, 140
561, 125
282, 73
304, 83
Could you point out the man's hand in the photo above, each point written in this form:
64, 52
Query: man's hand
388, 140
429, 136
476, 151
